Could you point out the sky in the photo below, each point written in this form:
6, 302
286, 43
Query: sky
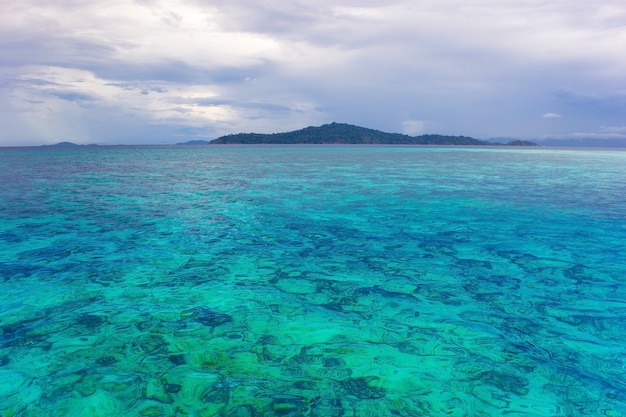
168, 71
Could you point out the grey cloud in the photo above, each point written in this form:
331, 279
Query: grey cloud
270, 107
182, 110
239, 104
52, 49
621, 130
200, 101
38, 82
176, 71
271, 16
167, 70
267, 107
143, 88
73, 96
606, 100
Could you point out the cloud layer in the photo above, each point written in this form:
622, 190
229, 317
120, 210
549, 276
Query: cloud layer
155, 71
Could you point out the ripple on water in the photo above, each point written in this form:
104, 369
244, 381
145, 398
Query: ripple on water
323, 281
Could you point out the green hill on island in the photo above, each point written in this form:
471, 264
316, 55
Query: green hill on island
342, 133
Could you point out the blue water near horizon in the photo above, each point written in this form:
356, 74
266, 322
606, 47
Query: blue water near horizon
312, 281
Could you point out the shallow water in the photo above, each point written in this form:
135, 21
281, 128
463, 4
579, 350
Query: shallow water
312, 281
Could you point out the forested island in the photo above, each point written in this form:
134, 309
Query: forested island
342, 133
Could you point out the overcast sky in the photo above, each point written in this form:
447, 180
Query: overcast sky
150, 71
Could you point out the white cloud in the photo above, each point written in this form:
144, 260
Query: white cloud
601, 134
551, 116
614, 129
413, 127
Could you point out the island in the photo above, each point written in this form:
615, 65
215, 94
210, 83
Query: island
342, 133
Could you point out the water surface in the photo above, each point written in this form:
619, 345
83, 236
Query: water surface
312, 281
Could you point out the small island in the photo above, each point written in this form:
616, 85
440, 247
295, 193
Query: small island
64, 144
68, 145
342, 133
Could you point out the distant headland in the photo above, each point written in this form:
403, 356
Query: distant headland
342, 133
62, 144
68, 144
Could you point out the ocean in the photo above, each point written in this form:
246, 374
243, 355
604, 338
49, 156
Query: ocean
312, 281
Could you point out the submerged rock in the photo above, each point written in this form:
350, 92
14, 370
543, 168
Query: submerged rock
505, 382
177, 359
362, 388
207, 317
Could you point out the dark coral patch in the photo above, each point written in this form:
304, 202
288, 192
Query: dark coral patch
362, 388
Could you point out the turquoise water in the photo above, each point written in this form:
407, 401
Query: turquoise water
312, 281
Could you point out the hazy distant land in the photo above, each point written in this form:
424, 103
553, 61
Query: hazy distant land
66, 144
